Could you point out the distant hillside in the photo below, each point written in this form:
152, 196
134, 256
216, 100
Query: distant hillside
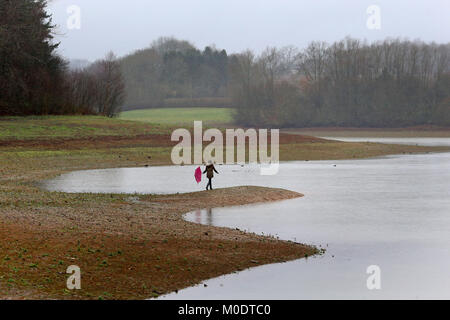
175, 72
349, 83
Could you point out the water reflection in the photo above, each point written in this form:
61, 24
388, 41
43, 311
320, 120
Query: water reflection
204, 216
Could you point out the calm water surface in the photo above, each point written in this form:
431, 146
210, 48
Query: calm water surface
393, 212
431, 142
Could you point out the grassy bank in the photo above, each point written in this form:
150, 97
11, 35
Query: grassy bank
180, 116
73, 127
127, 246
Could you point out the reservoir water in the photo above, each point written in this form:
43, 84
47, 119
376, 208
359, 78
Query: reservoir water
431, 142
392, 212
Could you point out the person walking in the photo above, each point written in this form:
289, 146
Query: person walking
209, 170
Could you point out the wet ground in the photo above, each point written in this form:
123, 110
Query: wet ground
393, 212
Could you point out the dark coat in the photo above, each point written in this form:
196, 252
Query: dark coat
210, 171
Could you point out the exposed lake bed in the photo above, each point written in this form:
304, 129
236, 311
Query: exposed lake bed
120, 237
391, 211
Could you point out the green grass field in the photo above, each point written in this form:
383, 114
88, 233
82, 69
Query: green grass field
130, 123
180, 116
50, 127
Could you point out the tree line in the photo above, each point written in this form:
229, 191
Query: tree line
35, 80
348, 83
171, 70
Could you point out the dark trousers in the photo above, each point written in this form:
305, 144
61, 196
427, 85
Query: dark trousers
209, 184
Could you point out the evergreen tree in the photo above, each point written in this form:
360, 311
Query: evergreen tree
31, 73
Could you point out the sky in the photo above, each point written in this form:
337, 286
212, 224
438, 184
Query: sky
123, 26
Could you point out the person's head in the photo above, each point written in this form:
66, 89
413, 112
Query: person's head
210, 162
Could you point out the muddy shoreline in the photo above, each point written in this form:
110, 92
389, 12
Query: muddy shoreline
129, 249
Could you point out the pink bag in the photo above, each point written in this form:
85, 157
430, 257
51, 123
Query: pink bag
198, 175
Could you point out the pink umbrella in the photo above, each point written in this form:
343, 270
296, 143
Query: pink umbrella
198, 175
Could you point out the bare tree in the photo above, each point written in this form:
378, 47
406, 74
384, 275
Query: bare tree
348, 83
110, 85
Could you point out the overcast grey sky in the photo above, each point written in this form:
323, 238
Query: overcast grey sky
126, 25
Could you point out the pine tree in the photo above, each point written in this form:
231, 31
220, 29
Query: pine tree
30, 70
